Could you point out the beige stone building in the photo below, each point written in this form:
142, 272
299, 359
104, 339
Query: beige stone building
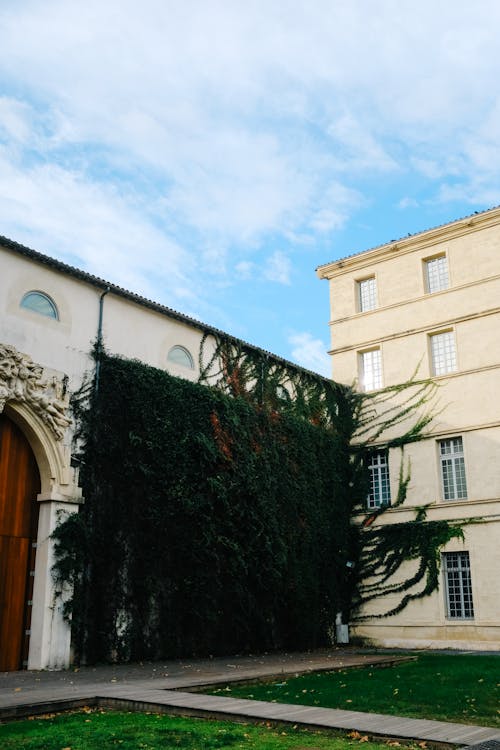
431, 303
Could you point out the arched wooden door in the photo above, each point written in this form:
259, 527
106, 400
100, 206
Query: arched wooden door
19, 486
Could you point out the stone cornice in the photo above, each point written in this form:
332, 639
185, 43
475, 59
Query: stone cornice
421, 241
430, 328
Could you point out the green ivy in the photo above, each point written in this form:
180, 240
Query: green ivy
218, 517
208, 526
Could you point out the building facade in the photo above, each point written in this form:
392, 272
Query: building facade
50, 318
430, 304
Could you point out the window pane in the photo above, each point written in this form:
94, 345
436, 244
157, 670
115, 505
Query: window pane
180, 356
41, 304
456, 566
380, 490
444, 358
453, 469
371, 376
437, 274
367, 294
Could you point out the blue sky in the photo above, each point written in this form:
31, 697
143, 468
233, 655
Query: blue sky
210, 154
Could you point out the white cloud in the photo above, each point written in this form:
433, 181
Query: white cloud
236, 184
245, 269
91, 225
431, 169
278, 268
245, 113
407, 202
334, 207
15, 119
442, 165
361, 148
181, 90
206, 134
310, 353
471, 192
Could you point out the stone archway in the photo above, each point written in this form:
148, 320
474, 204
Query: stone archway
34, 414
19, 488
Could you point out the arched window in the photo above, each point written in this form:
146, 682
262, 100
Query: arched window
40, 303
178, 355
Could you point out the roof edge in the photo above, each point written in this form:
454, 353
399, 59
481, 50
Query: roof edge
425, 237
119, 291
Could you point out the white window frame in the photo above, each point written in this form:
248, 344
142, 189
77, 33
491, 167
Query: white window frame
370, 367
452, 468
367, 294
458, 586
47, 310
380, 486
437, 277
185, 359
443, 352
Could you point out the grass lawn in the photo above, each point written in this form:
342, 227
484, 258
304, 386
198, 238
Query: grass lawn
101, 729
456, 687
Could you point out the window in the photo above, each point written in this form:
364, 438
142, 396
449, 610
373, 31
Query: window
367, 294
451, 453
371, 370
380, 490
437, 274
40, 303
443, 353
282, 393
180, 356
458, 585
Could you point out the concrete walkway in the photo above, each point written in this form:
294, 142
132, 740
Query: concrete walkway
162, 686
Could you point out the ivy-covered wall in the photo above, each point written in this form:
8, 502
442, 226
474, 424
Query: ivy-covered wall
209, 525
228, 517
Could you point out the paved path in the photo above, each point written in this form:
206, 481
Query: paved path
159, 687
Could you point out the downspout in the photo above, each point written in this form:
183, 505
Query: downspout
88, 567
98, 347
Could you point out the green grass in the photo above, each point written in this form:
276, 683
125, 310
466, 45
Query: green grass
103, 730
457, 687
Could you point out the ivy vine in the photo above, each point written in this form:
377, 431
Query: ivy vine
218, 515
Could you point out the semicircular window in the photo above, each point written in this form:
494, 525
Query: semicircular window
40, 303
180, 356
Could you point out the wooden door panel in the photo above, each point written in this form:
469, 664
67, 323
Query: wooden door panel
19, 487
19, 481
13, 559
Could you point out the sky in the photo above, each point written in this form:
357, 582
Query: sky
210, 154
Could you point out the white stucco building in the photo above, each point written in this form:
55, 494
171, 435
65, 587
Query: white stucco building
50, 316
429, 303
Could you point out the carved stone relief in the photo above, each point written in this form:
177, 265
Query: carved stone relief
22, 380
